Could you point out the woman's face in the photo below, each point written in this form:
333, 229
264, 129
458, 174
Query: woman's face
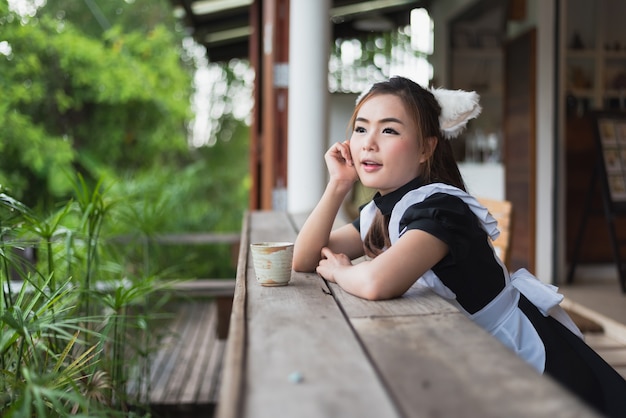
384, 144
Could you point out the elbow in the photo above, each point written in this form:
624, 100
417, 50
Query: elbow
376, 290
303, 265
304, 261
377, 295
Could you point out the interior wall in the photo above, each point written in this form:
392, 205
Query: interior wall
484, 179
441, 11
539, 14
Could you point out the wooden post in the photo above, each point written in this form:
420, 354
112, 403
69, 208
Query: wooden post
269, 52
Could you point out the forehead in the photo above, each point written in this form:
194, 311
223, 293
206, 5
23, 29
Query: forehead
383, 106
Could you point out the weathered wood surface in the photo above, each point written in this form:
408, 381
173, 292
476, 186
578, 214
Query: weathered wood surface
222, 290
207, 287
185, 371
414, 356
234, 365
297, 331
190, 238
444, 366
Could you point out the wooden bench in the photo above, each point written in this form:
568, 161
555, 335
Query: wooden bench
185, 371
222, 290
310, 349
502, 211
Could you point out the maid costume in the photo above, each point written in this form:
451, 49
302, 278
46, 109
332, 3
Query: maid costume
518, 309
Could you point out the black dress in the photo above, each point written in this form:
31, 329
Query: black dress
472, 271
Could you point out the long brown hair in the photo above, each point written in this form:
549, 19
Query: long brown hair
441, 167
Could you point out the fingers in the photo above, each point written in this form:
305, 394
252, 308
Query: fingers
341, 150
326, 252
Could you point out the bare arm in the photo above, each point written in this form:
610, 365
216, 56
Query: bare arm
390, 274
317, 233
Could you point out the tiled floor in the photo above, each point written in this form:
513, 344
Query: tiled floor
601, 301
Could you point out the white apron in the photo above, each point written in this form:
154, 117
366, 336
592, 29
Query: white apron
502, 317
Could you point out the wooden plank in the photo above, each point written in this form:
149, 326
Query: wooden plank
231, 391
188, 361
298, 330
200, 361
157, 360
190, 238
444, 365
209, 388
426, 350
187, 354
224, 308
418, 300
168, 356
207, 287
221, 289
295, 330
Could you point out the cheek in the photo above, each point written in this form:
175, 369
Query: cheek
404, 150
354, 145
407, 157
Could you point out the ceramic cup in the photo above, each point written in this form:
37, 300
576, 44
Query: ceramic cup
272, 262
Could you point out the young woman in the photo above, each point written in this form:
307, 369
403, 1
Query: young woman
421, 224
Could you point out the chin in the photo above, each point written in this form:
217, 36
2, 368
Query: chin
369, 184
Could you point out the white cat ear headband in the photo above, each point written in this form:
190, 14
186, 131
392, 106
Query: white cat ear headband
457, 108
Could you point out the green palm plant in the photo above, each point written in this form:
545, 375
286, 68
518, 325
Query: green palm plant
76, 333
58, 354
40, 375
92, 208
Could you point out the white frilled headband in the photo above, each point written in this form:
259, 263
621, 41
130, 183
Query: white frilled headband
457, 108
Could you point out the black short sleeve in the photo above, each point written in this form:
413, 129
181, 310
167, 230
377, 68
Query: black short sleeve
448, 218
470, 269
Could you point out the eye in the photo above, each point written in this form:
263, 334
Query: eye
359, 129
390, 131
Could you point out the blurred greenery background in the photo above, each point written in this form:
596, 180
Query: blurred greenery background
110, 91
116, 131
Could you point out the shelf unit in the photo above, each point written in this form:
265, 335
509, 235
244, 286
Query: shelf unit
593, 67
594, 45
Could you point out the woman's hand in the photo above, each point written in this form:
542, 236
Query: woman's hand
330, 262
339, 162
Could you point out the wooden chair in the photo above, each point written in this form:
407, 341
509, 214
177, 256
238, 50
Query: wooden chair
502, 210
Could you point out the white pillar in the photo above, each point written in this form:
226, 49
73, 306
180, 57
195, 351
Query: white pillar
545, 193
309, 35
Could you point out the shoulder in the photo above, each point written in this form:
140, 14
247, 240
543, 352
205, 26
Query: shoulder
439, 213
439, 203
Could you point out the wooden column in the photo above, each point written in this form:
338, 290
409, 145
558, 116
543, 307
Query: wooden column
269, 54
520, 146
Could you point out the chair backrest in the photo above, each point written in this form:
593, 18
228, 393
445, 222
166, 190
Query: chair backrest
502, 211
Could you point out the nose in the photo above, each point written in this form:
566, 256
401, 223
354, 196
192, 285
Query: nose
369, 142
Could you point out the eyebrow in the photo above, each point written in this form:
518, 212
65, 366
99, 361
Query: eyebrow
384, 120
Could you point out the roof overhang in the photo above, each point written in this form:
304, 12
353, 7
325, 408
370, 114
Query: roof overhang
224, 26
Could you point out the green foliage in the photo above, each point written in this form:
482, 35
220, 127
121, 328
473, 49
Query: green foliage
104, 89
68, 99
56, 357
95, 110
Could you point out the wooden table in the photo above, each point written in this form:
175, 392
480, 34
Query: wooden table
309, 349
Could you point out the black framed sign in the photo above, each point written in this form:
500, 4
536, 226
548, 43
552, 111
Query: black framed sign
611, 141
610, 170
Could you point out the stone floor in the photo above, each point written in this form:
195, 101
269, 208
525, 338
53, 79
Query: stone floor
602, 302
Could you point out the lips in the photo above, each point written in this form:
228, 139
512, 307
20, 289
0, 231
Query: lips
370, 165
370, 162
